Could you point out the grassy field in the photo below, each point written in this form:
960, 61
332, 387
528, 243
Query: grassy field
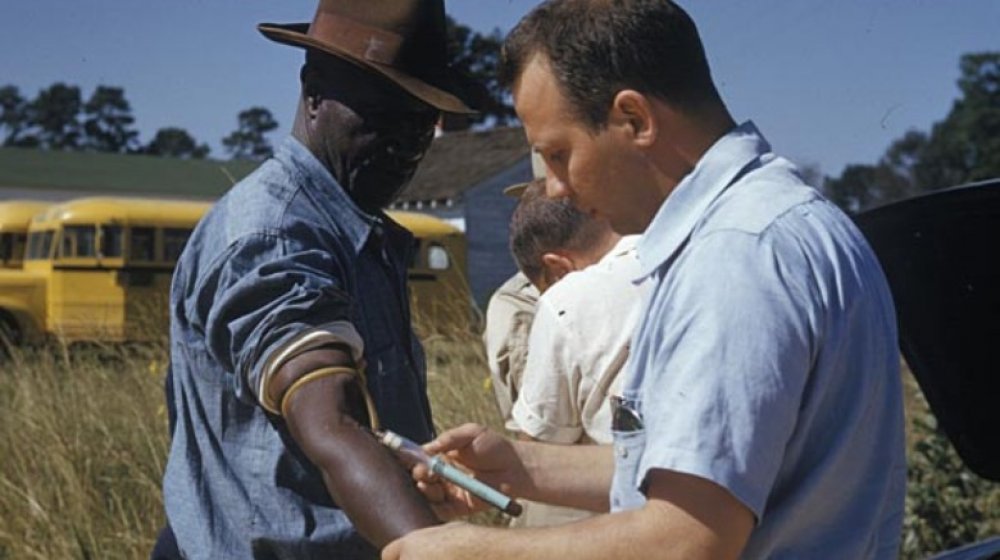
83, 439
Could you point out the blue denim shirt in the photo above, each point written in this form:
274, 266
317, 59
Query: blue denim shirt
283, 252
767, 360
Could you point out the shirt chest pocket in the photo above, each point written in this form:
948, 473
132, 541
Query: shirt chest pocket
628, 447
629, 441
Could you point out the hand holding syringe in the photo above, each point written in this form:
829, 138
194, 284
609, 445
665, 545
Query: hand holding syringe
413, 452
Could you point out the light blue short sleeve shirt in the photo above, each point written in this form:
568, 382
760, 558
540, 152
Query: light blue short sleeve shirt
767, 360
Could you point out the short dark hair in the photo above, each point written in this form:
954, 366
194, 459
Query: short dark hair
597, 48
541, 225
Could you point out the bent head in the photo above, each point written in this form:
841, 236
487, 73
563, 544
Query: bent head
607, 92
549, 238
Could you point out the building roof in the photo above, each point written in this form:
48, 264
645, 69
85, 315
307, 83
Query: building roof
457, 161
27, 169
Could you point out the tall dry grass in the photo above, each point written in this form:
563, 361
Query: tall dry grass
83, 439
82, 444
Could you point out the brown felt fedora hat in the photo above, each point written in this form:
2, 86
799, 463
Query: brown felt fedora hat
403, 40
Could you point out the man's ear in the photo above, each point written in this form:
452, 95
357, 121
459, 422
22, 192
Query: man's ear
634, 112
313, 99
556, 265
310, 90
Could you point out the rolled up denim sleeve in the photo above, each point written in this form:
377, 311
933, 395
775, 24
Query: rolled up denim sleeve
263, 291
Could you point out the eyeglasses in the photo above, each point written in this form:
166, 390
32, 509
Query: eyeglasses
379, 117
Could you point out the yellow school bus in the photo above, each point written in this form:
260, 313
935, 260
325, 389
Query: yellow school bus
440, 297
100, 268
15, 215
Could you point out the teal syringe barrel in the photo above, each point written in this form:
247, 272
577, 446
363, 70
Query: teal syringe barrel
449, 472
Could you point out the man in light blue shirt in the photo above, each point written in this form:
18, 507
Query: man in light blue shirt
761, 413
766, 361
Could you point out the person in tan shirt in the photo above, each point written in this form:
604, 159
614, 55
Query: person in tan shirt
508, 323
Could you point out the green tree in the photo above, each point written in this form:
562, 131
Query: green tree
476, 58
965, 146
14, 119
108, 121
248, 141
904, 156
946, 504
860, 187
175, 142
55, 116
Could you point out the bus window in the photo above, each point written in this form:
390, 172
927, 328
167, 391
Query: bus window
143, 244
79, 242
12, 247
173, 242
111, 241
6, 247
20, 245
68, 239
414, 253
437, 257
40, 245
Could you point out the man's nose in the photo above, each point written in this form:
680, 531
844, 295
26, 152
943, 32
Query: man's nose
554, 187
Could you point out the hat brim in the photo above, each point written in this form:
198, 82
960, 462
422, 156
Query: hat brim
515, 191
295, 34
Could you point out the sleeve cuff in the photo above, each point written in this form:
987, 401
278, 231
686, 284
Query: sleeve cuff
337, 332
535, 426
717, 470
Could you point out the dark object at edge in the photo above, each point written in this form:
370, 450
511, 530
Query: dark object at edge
939, 252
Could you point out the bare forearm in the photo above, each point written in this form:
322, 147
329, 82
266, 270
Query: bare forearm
363, 478
568, 475
622, 536
370, 486
684, 517
652, 532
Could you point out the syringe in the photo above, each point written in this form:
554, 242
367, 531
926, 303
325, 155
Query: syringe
414, 453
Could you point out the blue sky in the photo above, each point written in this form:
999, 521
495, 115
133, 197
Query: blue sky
829, 82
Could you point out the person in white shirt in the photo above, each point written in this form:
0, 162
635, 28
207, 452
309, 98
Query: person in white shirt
580, 334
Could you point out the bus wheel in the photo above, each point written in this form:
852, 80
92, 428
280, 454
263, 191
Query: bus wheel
10, 333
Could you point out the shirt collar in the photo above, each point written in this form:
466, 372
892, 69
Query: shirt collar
624, 246
339, 208
677, 217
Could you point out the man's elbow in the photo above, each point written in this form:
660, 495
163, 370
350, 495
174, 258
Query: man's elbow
686, 516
